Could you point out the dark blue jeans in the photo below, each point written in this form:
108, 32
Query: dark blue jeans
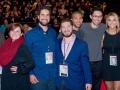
44, 85
96, 68
62, 87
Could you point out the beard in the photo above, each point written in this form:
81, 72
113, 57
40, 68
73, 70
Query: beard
44, 24
68, 35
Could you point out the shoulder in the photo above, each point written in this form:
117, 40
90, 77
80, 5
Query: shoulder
32, 31
81, 46
85, 26
80, 42
32, 34
103, 26
52, 30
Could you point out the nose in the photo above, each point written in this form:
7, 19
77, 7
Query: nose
45, 16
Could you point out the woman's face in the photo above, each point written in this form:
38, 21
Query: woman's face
112, 22
15, 34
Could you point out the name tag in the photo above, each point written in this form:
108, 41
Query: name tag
49, 57
113, 60
0, 69
63, 70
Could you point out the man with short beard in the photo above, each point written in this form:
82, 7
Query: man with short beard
77, 20
73, 70
41, 42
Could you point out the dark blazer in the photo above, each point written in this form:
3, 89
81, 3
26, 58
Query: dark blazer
20, 80
79, 72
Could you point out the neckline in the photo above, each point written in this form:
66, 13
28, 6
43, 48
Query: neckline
93, 29
111, 34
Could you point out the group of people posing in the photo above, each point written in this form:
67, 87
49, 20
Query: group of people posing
80, 57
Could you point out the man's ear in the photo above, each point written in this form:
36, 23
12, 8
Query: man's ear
38, 16
59, 30
90, 16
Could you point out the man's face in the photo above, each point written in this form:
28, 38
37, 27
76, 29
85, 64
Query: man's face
66, 29
96, 17
77, 20
44, 17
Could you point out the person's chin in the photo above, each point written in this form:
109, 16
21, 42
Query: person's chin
77, 26
67, 35
44, 24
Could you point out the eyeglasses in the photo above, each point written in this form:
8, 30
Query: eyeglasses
95, 16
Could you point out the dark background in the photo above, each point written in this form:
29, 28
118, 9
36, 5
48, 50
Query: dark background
113, 5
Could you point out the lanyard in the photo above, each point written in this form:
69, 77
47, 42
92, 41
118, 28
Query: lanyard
65, 48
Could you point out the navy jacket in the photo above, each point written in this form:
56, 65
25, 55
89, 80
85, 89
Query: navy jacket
79, 72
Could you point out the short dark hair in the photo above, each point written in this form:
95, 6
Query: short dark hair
39, 9
77, 12
95, 9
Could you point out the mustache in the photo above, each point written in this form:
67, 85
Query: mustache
44, 19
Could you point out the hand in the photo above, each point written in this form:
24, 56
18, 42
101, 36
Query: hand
88, 86
33, 79
13, 69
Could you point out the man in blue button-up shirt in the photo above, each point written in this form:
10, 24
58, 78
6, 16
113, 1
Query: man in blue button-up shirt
41, 42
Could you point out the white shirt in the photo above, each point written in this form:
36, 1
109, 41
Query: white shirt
66, 47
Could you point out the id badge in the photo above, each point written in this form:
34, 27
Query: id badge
0, 69
63, 70
113, 60
49, 57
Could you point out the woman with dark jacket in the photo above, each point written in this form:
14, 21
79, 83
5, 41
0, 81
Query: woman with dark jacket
16, 61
